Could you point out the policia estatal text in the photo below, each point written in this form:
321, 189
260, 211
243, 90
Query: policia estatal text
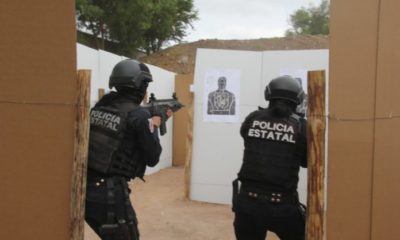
123, 141
275, 147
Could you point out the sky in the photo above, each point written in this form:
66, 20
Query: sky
243, 19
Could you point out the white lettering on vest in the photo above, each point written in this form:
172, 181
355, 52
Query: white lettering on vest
274, 131
106, 120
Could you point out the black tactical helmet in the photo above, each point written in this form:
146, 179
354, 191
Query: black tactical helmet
129, 73
284, 87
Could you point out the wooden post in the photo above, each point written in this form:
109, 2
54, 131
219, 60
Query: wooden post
101, 93
316, 155
79, 167
189, 144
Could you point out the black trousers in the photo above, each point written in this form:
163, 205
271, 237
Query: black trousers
109, 211
254, 217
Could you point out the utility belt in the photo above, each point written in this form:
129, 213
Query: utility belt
100, 180
275, 197
272, 197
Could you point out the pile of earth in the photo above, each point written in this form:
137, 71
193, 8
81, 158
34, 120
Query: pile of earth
181, 58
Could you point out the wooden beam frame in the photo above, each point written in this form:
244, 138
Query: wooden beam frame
316, 155
78, 191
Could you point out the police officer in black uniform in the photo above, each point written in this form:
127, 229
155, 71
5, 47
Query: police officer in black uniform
275, 148
123, 141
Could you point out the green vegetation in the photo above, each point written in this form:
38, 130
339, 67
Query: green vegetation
125, 26
312, 21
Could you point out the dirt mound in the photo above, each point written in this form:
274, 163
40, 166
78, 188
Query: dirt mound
181, 58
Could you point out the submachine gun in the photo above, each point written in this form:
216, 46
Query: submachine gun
159, 107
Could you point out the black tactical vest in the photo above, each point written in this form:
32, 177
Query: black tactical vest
269, 154
108, 125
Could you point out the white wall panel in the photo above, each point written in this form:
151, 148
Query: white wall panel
218, 147
88, 58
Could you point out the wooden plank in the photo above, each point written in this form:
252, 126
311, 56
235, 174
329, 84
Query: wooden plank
182, 89
316, 155
101, 93
189, 146
80, 155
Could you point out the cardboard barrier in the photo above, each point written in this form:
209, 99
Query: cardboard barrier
37, 118
364, 126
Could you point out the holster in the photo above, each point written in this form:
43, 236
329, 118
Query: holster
303, 211
124, 230
118, 229
235, 193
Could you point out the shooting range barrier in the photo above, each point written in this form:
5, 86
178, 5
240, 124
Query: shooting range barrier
38, 109
218, 146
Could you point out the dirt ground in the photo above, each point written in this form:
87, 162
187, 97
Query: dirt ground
164, 214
